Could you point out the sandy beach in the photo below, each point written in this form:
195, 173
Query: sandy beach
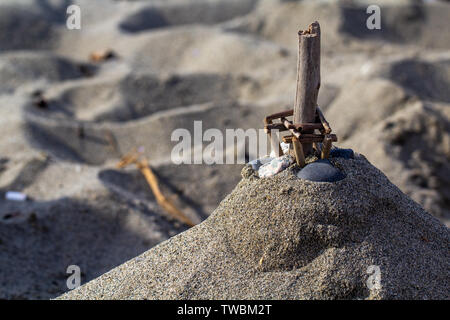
73, 102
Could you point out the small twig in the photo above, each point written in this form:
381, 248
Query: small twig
287, 124
298, 126
322, 119
128, 159
277, 115
310, 138
152, 180
326, 147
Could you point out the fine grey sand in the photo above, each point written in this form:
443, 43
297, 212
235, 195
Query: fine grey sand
227, 63
287, 238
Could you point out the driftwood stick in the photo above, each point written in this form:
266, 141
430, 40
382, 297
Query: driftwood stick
308, 78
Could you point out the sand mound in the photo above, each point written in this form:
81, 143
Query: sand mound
94, 143
287, 238
174, 14
75, 221
407, 139
134, 96
33, 232
403, 22
377, 99
415, 153
409, 73
24, 67
136, 111
201, 49
30, 24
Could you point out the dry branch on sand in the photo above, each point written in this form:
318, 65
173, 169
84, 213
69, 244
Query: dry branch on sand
142, 164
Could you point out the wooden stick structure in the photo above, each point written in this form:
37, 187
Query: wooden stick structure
142, 164
307, 115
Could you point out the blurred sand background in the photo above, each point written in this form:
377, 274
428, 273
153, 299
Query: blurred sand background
224, 62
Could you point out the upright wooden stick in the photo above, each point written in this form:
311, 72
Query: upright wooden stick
298, 151
326, 147
308, 80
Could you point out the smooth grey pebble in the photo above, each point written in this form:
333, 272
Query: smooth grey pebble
321, 171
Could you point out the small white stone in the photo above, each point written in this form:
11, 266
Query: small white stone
15, 196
